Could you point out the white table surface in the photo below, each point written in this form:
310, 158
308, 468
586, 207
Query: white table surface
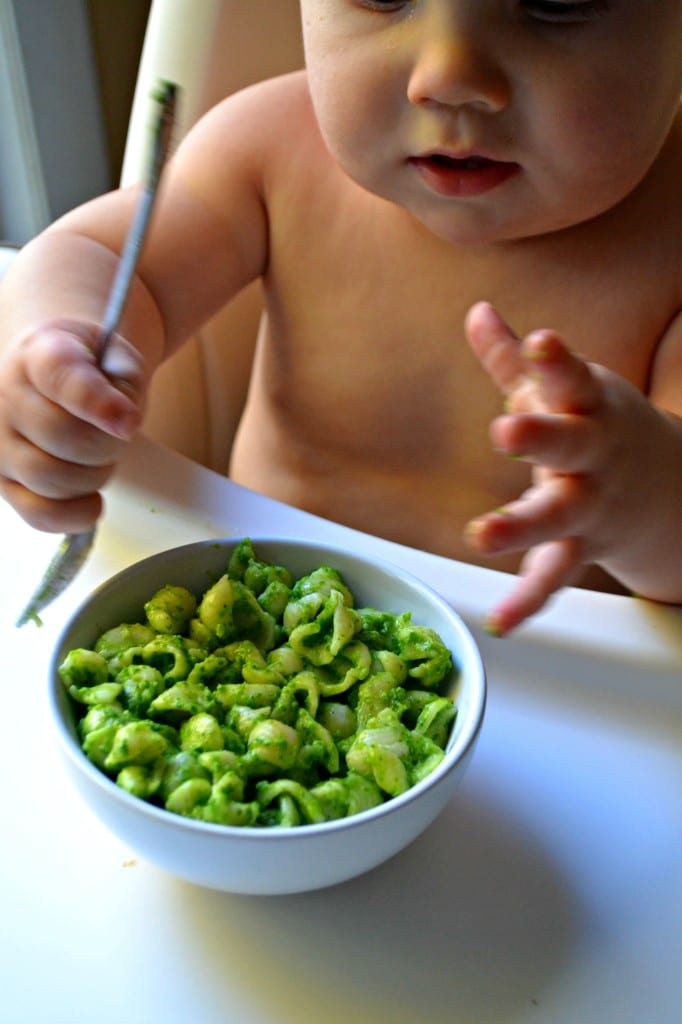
550, 890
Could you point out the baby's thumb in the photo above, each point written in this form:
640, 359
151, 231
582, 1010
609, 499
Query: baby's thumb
109, 396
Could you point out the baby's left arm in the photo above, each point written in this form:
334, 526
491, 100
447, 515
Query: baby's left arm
607, 470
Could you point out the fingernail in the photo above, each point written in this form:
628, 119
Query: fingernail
124, 427
493, 628
507, 453
535, 356
472, 534
540, 349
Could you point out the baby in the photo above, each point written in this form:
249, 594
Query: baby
438, 161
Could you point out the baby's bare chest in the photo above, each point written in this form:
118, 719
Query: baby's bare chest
373, 356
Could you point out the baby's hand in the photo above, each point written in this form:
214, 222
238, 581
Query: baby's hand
586, 432
64, 422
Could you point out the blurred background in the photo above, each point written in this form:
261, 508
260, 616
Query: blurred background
67, 79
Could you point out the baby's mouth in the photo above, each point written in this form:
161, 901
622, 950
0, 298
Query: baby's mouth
465, 176
468, 163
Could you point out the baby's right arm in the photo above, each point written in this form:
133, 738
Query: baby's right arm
63, 421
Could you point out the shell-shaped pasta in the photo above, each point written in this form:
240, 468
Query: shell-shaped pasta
215, 609
435, 720
427, 657
340, 798
113, 642
339, 719
241, 555
317, 744
135, 743
85, 674
210, 671
332, 796
378, 691
322, 580
182, 766
243, 653
249, 695
377, 628
83, 668
188, 795
171, 655
97, 743
201, 732
388, 661
142, 780
380, 751
303, 610
225, 804
363, 793
271, 703
170, 609
181, 701
275, 598
103, 693
229, 609
220, 811
302, 690
323, 638
140, 684
308, 806
349, 667
285, 661
271, 745
217, 762
242, 719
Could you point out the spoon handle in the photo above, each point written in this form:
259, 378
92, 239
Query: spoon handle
75, 548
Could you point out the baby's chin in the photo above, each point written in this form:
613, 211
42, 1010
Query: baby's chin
515, 216
473, 232
465, 223
482, 232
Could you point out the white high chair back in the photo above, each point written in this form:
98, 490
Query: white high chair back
211, 48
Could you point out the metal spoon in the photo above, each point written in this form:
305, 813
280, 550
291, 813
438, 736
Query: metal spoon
74, 548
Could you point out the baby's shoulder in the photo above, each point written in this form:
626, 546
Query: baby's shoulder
255, 133
273, 109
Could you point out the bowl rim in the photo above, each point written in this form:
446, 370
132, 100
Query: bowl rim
459, 752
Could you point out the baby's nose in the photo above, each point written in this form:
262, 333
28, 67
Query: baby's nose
455, 64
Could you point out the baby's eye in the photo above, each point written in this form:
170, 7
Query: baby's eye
384, 5
564, 11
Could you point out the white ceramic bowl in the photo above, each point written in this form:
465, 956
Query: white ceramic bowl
270, 860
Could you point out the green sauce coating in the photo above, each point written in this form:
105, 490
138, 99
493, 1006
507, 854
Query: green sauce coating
265, 701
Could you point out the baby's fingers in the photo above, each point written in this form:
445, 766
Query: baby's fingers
545, 569
559, 507
564, 382
563, 442
68, 515
496, 347
63, 369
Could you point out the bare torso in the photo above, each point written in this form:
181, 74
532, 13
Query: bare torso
367, 406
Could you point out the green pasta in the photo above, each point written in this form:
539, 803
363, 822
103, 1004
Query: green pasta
265, 701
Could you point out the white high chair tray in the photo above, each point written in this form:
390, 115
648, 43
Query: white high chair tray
549, 891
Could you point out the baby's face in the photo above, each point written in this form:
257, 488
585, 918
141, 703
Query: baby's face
495, 119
